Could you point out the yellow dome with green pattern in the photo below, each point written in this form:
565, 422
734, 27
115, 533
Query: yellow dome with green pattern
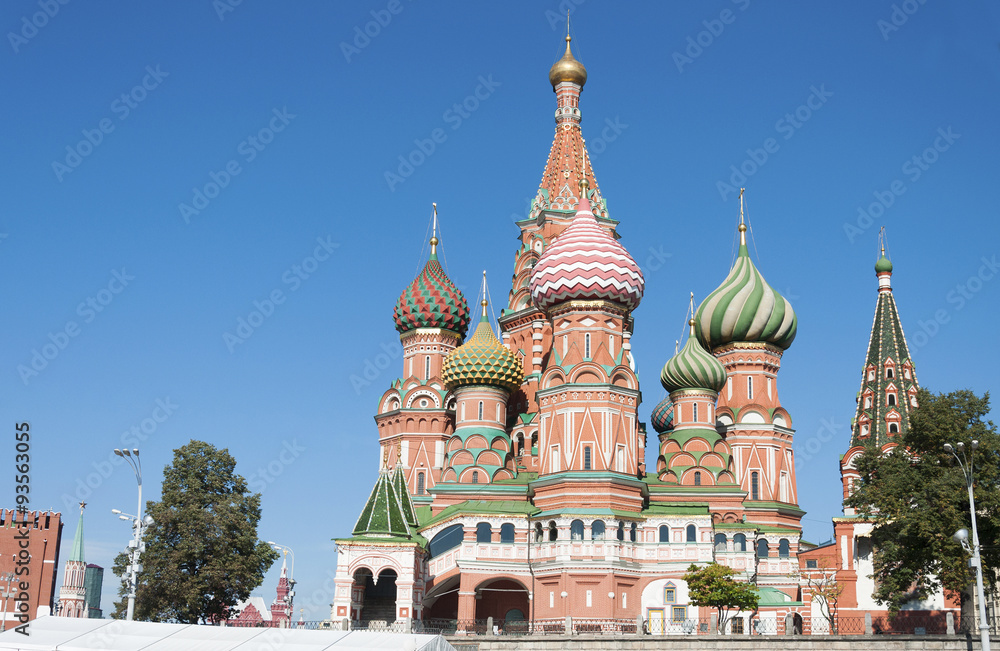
483, 360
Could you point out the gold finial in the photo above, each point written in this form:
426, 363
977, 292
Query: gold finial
881, 240
385, 457
568, 39
434, 231
399, 452
691, 313
677, 345
567, 68
743, 226
485, 300
583, 170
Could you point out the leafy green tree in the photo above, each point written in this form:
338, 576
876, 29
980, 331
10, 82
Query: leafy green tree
202, 554
713, 586
916, 497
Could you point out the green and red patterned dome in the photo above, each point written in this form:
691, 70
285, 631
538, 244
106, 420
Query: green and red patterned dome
662, 417
745, 309
432, 301
483, 360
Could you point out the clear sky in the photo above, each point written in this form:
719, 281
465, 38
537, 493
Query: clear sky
114, 115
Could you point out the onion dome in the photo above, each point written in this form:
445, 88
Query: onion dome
745, 308
483, 359
662, 417
567, 69
693, 368
586, 262
432, 301
884, 265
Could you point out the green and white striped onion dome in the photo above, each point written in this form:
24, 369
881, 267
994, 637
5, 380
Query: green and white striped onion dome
693, 368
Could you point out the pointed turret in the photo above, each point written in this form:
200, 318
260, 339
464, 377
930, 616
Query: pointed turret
77, 553
73, 593
388, 512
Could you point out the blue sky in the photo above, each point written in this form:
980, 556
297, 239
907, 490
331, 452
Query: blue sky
300, 120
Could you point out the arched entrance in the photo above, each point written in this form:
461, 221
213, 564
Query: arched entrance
505, 600
377, 595
441, 601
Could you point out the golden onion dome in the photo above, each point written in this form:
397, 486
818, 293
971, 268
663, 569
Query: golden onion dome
567, 69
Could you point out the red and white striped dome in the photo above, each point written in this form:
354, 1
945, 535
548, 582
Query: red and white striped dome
586, 262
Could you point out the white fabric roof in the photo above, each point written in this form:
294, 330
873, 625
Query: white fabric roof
68, 634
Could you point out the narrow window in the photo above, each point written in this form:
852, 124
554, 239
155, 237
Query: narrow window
475, 476
590, 598
586, 458
694, 412
553, 532
893, 428
692, 533
633, 532
720, 542
420, 483
484, 532
868, 402
506, 533
736, 626
750, 388
739, 543
480, 410
427, 367
624, 600
621, 530
888, 373
586, 345
697, 478
538, 532
678, 614
565, 344
755, 485
554, 454
576, 530
864, 430
664, 533
410, 372
892, 399
762, 549
611, 345
670, 593
597, 530
620, 459
783, 548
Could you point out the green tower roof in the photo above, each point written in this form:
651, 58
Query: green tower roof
77, 553
389, 511
693, 368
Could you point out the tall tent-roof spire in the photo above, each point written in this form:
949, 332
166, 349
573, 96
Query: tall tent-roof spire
388, 513
77, 553
889, 385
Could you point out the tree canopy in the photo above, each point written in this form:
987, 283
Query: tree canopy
202, 555
713, 586
916, 497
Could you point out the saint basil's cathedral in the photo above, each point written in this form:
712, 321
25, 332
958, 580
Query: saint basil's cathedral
513, 481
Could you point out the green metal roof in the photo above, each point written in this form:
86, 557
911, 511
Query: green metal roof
77, 553
388, 512
481, 507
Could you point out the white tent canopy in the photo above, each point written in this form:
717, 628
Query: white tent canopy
68, 634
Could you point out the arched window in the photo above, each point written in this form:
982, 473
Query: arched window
783, 548
586, 345
892, 399
420, 483
739, 543
893, 428
762, 549
586, 457
864, 430
633, 532
553, 532
720, 542
506, 532
538, 532
445, 540
576, 530
692, 533
597, 530
480, 410
694, 412
664, 533
427, 367
868, 402
534, 442
520, 444
475, 476
484, 532
750, 387
621, 530
697, 478
755, 485
888, 373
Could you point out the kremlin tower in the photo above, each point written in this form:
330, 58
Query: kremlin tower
514, 483
73, 593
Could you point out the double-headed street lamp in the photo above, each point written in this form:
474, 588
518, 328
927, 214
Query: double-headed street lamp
139, 524
962, 535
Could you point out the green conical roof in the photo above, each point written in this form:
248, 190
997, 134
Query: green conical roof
77, 553
745, 308
483, 359
399, 483
693, 368
384, 514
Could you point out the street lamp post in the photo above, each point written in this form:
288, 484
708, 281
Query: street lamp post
291, 574
139, 524
962, 535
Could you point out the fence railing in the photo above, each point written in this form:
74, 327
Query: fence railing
852, 624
